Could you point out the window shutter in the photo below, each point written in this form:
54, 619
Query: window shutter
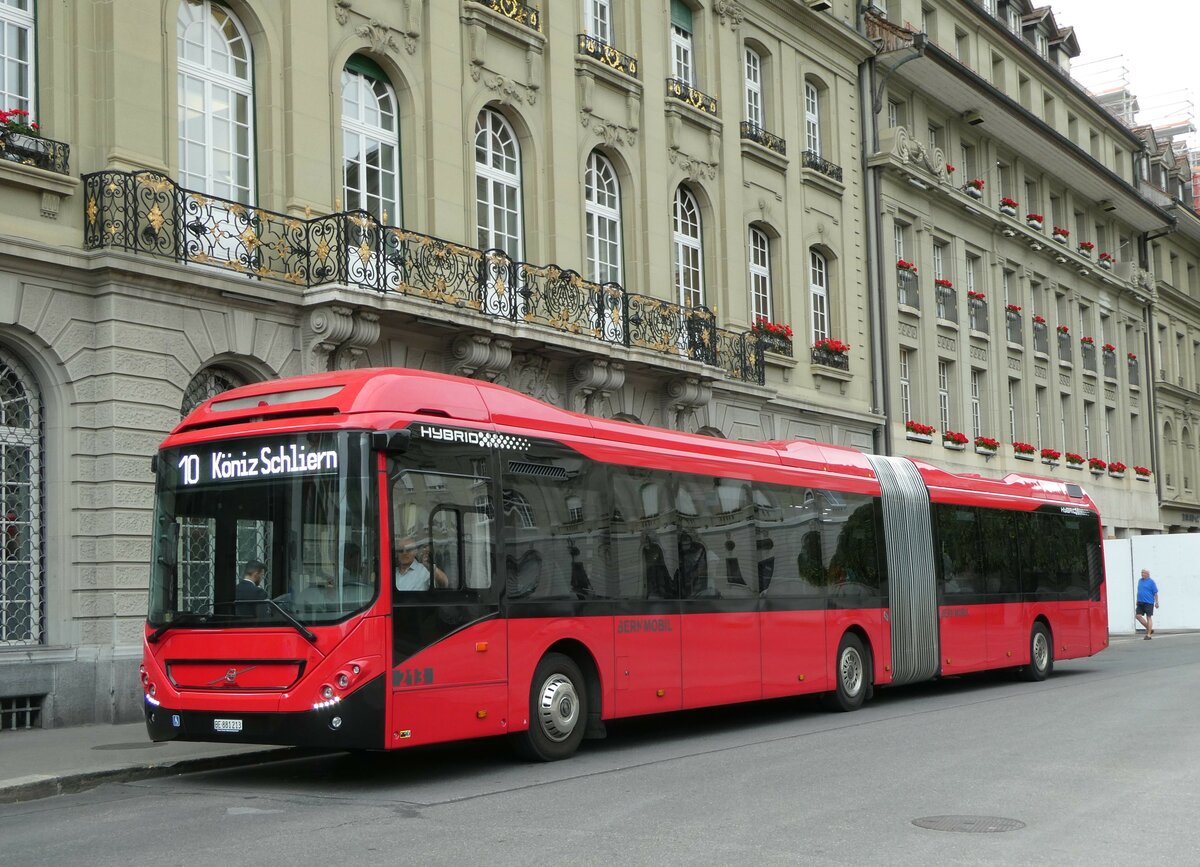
681, 15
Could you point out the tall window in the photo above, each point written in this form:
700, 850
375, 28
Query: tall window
939, 261
1064, 412
597, 20
1012, 409
944, 394
898, 229
216, 102
905, 384
602, 209
760, 275
22, 589
818, 292
1039, 410
754, 89
682, 63
689, 256
977, 402
16, 55
370, 156
812, 118
1087, 428
497, 184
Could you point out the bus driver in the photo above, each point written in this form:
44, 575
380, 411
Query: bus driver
411, 573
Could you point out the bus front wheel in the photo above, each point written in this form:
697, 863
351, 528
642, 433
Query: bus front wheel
558, 710
1041, 654
852, 672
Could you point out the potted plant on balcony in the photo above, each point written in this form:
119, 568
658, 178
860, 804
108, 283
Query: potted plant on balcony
1063, 329
1108, 349
1097, 466
1012, 310
1116, 469
1086, 247
1023, 451
1107, 260
1060, 234
775, 336
1131, 357
986, 446
977, 297
1050, 457
974, 188
949, 169
1039, 319
1008, 207
943, 285
20, 136
905, 265
954, 440
922, 433
831, 353
1035, 221
1141, 473
1087, 342
1074, 461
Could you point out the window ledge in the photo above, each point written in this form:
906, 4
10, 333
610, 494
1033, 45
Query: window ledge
820, 179
1015, 347
981, 336
914, 312
618, 79
1069, 365
763, 154
834, 376
948, 325
480, 11
693, 115
21, 175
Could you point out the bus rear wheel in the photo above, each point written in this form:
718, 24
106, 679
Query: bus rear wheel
1041, 654
558, 710
852, 672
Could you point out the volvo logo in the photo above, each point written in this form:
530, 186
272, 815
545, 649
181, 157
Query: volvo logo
231, 675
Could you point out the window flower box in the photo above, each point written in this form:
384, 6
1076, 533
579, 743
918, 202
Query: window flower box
1023, 451
917, 432
1035, 221
1131, 357
1107, 260
905, 265
974, 188
1142, 474
1085, 248
977, 297
1097, 466
1088, 342
986, 446
1008, 207
1074, 461
943, 283
1109, 349
1063, 329
954, 440
831, 353
774, 336
949, 169
1116, 469
1060, 234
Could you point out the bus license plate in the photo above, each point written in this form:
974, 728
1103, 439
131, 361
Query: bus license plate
227, 725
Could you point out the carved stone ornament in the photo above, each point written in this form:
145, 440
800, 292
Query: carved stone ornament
731, 13
694, 169
683, 398
336, 337
591, 384
610, 133
911, 150
341, 11
379, 35
530, 374
508, 92
481, 356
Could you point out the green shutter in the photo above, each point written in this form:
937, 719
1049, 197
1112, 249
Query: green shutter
681, 15
366, 66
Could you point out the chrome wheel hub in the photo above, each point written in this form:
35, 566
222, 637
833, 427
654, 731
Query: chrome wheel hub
1041, 651
850, 670
558, 707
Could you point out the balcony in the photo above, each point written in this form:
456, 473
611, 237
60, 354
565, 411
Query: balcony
947, 304
1041, 338
1134, 372
1012, 327
609, 56
147, 214
977, 314
1110, 364
526, 16
1064, 348
813, 160
684, 92
1087, 351
770, 141
41, 153
909, 293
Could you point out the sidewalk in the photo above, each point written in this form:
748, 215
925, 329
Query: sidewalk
43, 762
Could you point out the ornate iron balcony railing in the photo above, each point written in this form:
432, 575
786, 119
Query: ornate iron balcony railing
527, 16
697, 99
813, 160
606, 54
769, 140
31, 150
838, 361
144, 212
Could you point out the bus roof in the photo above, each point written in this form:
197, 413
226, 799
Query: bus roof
349, 398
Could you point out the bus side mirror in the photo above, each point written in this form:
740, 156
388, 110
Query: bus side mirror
390, 440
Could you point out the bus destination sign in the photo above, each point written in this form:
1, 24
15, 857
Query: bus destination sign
284, 459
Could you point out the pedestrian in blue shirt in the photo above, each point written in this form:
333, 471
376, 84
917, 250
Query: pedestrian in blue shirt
1147, 601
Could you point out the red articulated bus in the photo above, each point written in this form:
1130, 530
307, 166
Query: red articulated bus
375, 559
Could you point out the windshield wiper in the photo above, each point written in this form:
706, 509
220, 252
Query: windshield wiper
292, 620
182, 618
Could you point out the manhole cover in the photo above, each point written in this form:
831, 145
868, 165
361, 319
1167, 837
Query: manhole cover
969, 824
140, 746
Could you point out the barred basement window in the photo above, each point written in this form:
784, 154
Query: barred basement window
208, 383
21, 712
22, 582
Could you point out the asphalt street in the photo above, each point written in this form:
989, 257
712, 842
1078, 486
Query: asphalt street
1098, 765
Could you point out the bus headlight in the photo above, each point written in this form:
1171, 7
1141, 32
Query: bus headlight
343, 680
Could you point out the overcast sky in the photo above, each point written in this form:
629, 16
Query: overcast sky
1160, 41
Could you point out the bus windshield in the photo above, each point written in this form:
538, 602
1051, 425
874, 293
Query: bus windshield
265, 531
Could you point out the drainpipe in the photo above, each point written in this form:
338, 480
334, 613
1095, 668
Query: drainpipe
1151, 375
872, 199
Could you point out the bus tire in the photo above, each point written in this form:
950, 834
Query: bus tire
852, 674
1041, 654
558, 710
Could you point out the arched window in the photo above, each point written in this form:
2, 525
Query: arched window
818, 293
209, 382
602, 206
689, 256
812, 118
22, 586
17, 55
497, 184
370, 151
760, 275
216, 102
754, 88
